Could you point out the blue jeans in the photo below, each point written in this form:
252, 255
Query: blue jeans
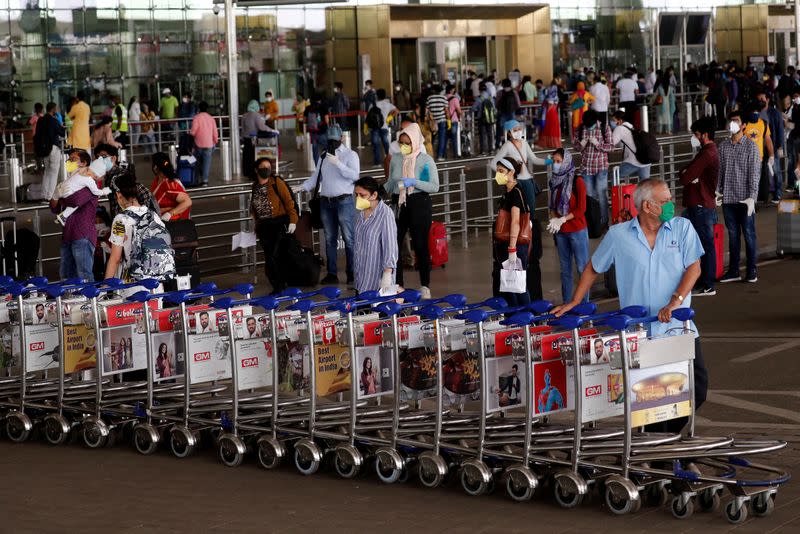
379, 137
338, 213
703, 220
628, 169
572, 245
597, 188
441, 139
203, 156
776, 181
737, 222
77, 260
453, 135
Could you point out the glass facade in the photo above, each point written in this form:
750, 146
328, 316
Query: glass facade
51, 48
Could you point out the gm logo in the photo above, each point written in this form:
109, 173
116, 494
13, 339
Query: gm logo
250, 362
593, 391
37, 345
202, 356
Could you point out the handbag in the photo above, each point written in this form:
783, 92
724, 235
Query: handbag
513, 278
658, 100
314, 203
502, 226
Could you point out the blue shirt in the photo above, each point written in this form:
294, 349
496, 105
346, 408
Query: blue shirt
337, 178
649, 277
375, 247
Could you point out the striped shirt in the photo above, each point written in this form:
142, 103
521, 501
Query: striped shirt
437, 104
739, 170
375, 247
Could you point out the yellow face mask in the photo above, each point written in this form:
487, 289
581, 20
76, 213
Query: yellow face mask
405, 150
362, 203
71, 166
501, 178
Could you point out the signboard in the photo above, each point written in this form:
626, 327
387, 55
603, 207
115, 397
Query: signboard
169, 358
332, 369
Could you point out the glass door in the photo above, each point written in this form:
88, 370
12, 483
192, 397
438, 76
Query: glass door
442, 60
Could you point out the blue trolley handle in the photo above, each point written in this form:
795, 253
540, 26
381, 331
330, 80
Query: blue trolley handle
623, 322
180, 297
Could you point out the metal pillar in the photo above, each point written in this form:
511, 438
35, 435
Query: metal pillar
796, 29
233, 84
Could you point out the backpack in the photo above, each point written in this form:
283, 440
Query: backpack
592, 214
151, 251
489, 112
41, 144
375, 118
312, 121
505, 103
646, 146
299, 266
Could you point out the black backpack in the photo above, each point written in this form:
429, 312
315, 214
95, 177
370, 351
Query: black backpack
593, 222
375, 118
646, 145
299, 266
41, 143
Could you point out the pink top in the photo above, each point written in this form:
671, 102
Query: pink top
204, 131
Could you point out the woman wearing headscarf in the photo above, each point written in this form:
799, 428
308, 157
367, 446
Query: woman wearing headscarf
567, 207
578, 103
412, 179
253, 124
551, 133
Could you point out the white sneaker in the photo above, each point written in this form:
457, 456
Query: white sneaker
425, 292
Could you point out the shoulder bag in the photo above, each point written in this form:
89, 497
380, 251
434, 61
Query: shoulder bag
502, 226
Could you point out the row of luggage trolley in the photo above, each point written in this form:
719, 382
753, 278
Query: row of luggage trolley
480, 393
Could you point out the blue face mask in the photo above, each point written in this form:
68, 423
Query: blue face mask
613, 125
556, 167
108, 163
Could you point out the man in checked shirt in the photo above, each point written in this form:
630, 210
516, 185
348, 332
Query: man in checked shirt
739, 174
594, 142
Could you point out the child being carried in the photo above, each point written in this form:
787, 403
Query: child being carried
81, 177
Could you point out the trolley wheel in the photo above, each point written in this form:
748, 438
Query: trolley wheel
475, 478
389, 466
145, 439
657, 495
347, 461
681, 511
270, 452
231, 450
432, 469
95, 433
619, 505
307, 457
519, 487
56, 429
763, 504
735, 516
18, 427
708, 500
566, 497
387, 474
181, 442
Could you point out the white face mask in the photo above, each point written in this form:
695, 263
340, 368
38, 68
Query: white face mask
797, 101
734, 127
516, 134
695, 142
269, 99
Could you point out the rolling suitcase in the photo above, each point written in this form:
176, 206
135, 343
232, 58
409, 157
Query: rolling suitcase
788, 227
185, 171
184, 242
622, 206
719, 248
437, 244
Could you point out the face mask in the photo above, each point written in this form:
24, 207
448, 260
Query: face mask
397, 88
734, 128
506, 89
763, 105
516, 134
500, 178
556, 167
264, 173
362, 203
405, 150
100, 227
333, 144
335, 89
185, 100
269, 99
109, 164
613, 125
797, 101
71, 166
667, 211
695, 142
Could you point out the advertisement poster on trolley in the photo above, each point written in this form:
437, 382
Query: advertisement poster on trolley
374, 366
660, 393
603, 392
294, 366
123, 350
254, 358
209, 357
506, 379
42, 350
332, 369
80, 348
553, 386
169, 359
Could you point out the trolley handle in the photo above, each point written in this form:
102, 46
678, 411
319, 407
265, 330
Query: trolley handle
350, 305
476, 316
6, 280
454, 299
521, 319
571, 322
266, 302
184, 295
74, 285
622, 322
293, 293
494, 303
94, 291
584, 308
37, 281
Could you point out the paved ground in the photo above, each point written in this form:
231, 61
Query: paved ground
751, 345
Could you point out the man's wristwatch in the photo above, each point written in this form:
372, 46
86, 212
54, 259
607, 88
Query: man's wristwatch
678, 296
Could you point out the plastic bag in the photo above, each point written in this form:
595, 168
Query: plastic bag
513, 278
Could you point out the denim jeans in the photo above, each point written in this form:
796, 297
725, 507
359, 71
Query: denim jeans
776, 181
338, 214
77, 260
703, 220
453, 135
203, 156
379, 137
484, 136
597, 188
629, 169
737, 222
441, 139
572, 245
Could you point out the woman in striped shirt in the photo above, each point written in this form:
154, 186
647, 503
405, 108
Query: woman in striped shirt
375, 250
